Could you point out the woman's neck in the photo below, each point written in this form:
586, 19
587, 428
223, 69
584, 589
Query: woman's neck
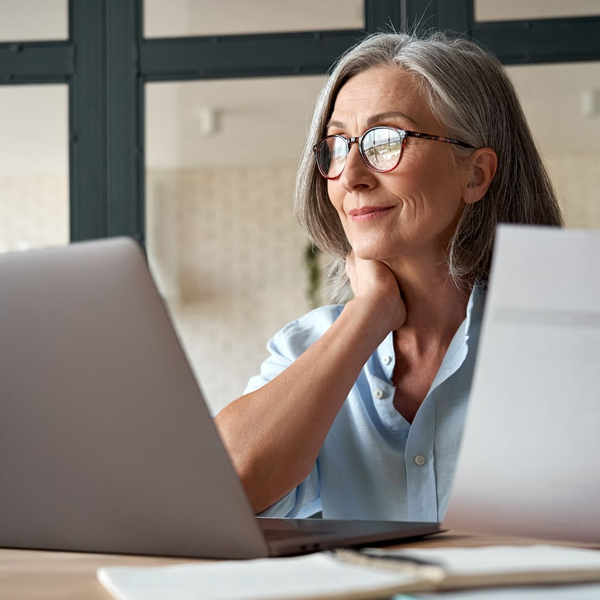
435, 305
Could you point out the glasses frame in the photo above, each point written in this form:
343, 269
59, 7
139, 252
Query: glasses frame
404, 134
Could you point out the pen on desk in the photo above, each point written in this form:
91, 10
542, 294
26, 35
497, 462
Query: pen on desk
405, 564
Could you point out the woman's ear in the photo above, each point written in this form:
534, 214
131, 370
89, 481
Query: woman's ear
484, 163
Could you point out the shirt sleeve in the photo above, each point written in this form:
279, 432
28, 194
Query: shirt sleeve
284, 348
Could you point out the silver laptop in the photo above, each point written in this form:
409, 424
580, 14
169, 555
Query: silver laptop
106, 444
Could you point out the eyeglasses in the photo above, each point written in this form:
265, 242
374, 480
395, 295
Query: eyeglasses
379, 147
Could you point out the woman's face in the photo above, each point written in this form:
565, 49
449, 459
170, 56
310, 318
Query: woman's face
416, 206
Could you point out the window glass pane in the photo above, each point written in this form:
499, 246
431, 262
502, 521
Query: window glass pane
510, 10
562, 106
223, 244
34, 175
207, 17
27, 20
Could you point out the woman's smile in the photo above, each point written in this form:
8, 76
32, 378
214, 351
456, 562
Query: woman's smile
368, 213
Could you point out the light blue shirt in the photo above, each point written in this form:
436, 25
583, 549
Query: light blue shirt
373, 463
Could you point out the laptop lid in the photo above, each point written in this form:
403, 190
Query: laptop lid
105, 442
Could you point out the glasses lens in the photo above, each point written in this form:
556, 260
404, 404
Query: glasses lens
331, 156
382, 147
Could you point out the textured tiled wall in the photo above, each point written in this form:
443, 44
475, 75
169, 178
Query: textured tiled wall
34, 211
228, 253
577, 180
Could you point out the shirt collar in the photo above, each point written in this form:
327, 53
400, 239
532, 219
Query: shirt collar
469, 328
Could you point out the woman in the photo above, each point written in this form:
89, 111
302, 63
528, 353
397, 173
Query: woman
417, 149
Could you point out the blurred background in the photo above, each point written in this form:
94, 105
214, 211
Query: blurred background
213, 151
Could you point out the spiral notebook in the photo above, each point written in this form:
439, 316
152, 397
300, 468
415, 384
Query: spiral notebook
354, 574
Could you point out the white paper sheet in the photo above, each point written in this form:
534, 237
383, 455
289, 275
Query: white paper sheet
530, 458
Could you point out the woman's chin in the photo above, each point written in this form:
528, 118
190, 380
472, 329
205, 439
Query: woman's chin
371, 253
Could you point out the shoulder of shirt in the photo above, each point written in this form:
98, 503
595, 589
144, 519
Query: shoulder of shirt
300, 334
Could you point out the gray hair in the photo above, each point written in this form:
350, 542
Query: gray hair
470, 94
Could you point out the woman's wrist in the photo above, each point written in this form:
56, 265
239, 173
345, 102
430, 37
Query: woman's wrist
378, 319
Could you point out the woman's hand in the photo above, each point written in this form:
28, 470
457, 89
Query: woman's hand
374, 284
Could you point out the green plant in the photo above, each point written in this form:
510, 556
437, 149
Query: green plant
311, 262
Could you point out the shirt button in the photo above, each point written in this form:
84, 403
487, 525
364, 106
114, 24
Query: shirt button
420, 460
387, 360
379, 393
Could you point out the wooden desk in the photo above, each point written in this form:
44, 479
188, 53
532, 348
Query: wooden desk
32, 574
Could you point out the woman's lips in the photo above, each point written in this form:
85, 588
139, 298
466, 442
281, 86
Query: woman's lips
367, 213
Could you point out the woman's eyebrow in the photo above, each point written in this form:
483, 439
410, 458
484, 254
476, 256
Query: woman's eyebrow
337, 124
374, 119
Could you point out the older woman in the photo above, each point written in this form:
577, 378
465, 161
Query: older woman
417, 149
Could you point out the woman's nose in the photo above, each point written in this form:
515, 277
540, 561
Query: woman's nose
356, 175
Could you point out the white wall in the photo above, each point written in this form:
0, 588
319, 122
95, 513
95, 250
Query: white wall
509, 10
33, 20
207, 17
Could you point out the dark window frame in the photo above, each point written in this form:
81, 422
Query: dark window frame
106, 62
